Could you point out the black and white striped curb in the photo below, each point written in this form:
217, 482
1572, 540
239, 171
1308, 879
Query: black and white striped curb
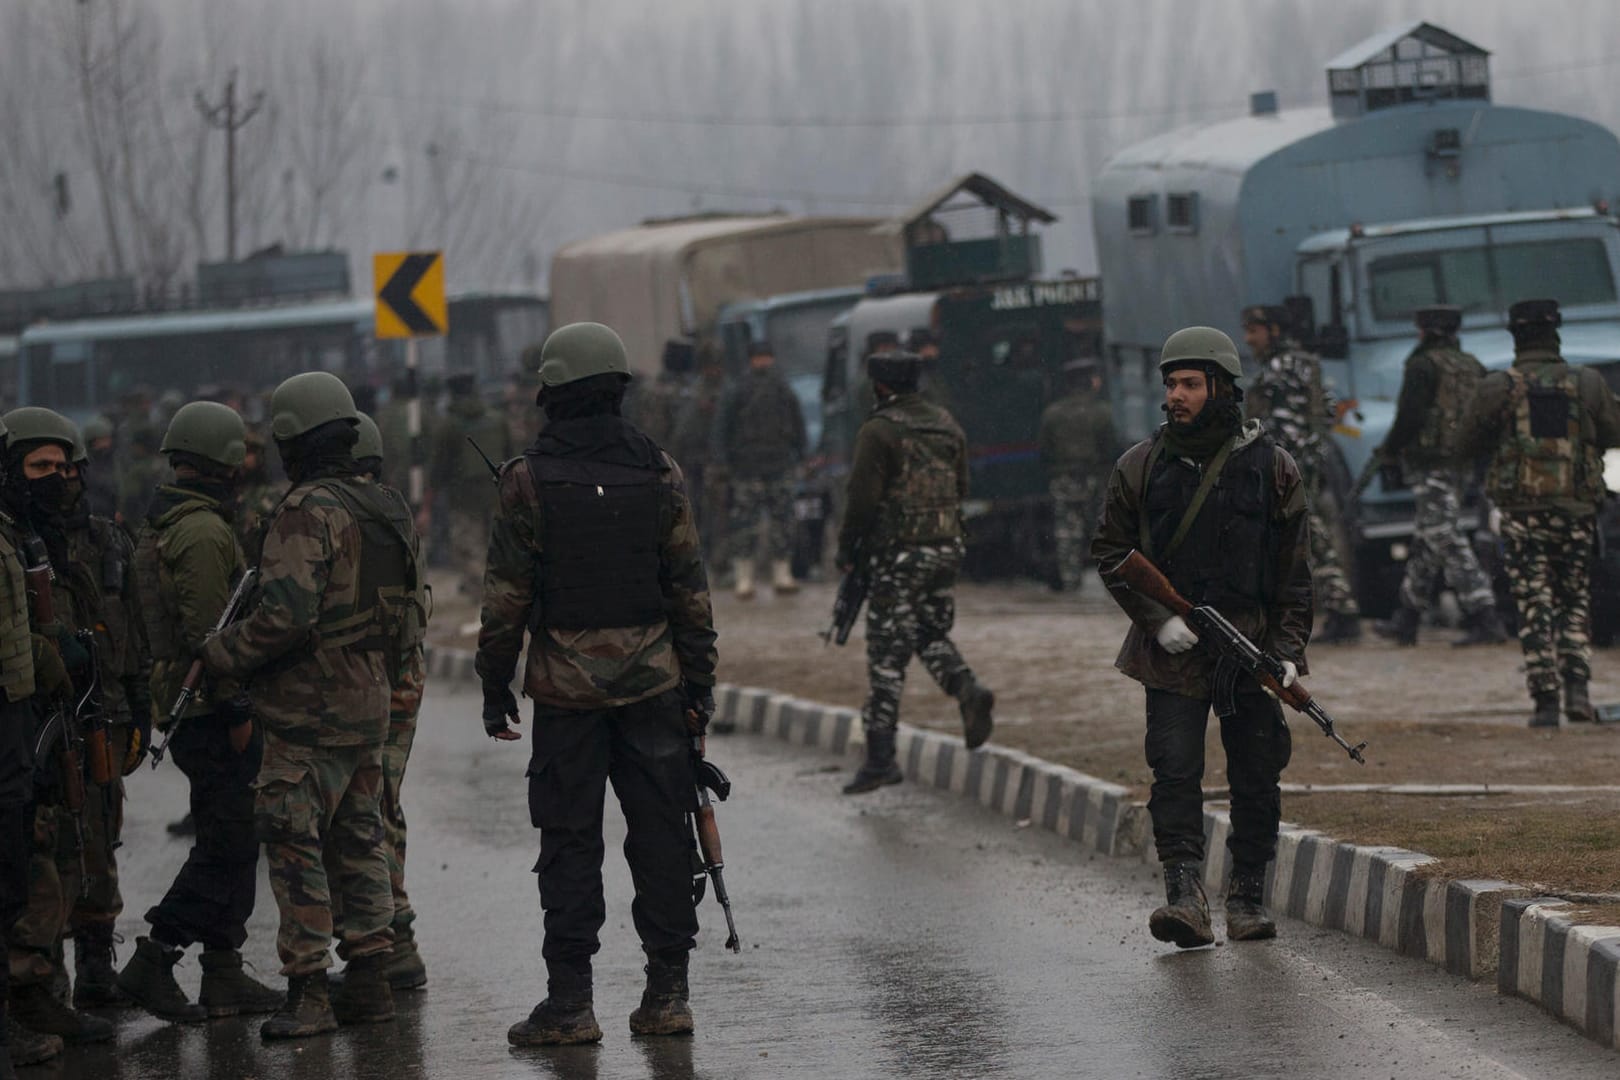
1471, 928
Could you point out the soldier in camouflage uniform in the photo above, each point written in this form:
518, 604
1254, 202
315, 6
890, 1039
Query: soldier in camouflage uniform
257, 496
694, 449
1544, 426
459, 474
336, 608
595, 552
1289, 398
101, 479
187, 562
903, 520
1078, 445
655, 407
1436, 387
762, 439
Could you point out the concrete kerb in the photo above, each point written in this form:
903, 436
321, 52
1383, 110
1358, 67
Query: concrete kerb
1471, 928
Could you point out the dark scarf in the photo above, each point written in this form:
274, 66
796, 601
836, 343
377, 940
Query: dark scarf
1200, 439
603, 437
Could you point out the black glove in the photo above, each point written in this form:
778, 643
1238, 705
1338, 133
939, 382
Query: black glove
699, 704
75, 657
236, 710
500, 705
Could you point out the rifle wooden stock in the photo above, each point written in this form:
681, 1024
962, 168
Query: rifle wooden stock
1143, 577
709, 837
72, 778
100, 764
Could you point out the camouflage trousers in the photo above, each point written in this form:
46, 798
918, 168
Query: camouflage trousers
1075, 503
1440, 547
1328, 578
53, 887
309, 800
469, 547
1549, 562
910, 611
752, 500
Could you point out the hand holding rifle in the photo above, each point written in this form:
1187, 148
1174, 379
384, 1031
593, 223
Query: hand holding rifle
241, 731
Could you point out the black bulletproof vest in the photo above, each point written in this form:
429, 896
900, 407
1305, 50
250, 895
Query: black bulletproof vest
1228, 558
599, 565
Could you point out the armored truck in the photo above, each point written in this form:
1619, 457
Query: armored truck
1410, 187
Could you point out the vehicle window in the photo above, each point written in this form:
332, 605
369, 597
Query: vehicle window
1576, 272
1491, 278
1403, 283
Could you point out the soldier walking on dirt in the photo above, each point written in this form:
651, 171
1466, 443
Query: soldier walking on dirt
1436, 387
762, 436
1221, 509
903, 519
595, 552
1078, 446
1289, 398
1544, 426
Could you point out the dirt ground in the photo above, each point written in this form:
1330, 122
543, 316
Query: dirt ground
1430, 715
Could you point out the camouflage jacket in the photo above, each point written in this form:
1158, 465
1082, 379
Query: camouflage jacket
593, 669
1283, 628
104, 560
1436, 386
761, 431
1077, 435
255, 505
304, 691
884, 448
695, 427
456, 469
1287, 395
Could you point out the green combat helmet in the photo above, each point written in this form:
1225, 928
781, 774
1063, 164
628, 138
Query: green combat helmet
578, 351
369, 444
32, 423
97, 427
305, 402
209, 430
1200, 346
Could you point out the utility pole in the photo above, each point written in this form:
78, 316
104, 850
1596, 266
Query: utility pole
225, 117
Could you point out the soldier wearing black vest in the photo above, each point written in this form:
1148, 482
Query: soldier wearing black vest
595, 553
1221, 509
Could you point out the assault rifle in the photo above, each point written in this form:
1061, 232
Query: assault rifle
706, 834
1210, 625
188, 685
91, 719
494, 469
851, 595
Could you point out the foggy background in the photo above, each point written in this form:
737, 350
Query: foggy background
502, 129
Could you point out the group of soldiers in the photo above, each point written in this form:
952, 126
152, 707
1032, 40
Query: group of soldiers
291, 721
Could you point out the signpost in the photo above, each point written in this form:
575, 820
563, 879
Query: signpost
411, 305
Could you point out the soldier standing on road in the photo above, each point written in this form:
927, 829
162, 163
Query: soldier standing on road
187, 562
694, 450
656, 406
337, 580
594, 547
101, 481
462, 478
1221, 509
1078, 446
1544, 426
1436, 387
903, 518
762, 437
1289, 398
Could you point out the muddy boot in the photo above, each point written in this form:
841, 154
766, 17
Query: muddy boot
1484, 627
35, 1008
879, 768
307, 1010
186, 826
1184, 918
405, 970
365, 996
1546, 714
977, 703
148, 981
565, 1017
227, 990
1577, 703
25, 1046
1246, 917
663, 1009
782, 580
1341, 628
95, 982
1401, 627
742, 572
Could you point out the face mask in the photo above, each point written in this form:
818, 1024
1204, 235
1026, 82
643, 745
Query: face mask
49, 493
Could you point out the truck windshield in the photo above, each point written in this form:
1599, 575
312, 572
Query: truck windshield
1490, 278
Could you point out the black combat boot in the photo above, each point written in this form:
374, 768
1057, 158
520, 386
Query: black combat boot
148, 981
1401, 627
364, 997
1340, 628
663, 1009
1184, 918
35, 1007
24, 1046
1577, 703
879, 768
1483, 627
307, 1010
977, 702
1546, 714
405, 969
95, 982
565, 1017
1246, 916
227, 990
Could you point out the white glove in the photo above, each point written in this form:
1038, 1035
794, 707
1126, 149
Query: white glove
1290, 674
1175, 636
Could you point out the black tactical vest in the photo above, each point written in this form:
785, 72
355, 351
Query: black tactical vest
599, 563
1228, 558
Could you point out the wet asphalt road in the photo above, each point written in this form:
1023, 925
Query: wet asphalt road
905, 934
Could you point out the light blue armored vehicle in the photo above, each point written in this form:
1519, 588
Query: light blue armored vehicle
1409, 188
